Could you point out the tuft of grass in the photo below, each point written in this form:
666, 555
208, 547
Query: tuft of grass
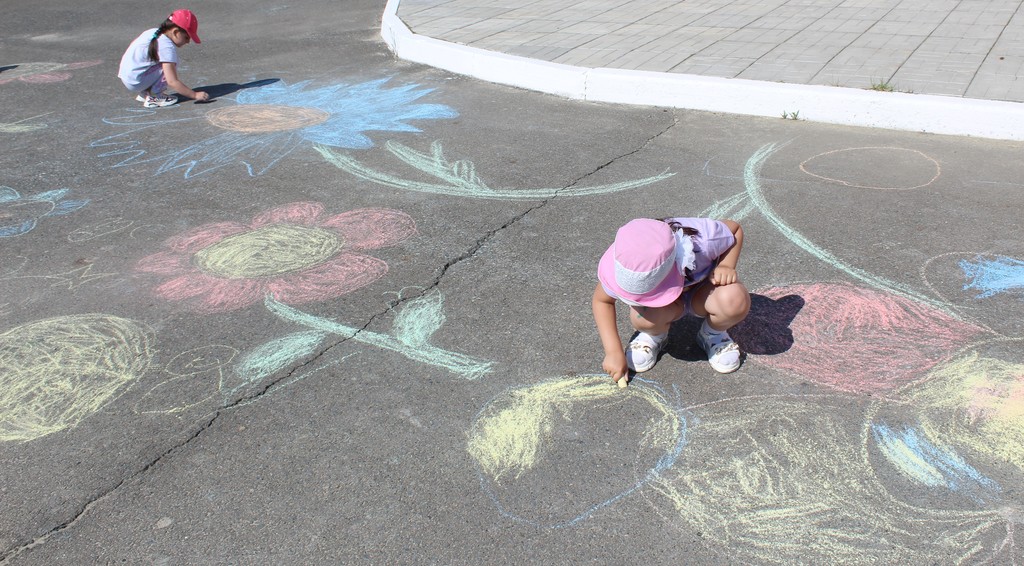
883, 86
790, 115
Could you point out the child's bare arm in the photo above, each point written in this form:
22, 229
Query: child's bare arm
604, 317
171, 76
725, 271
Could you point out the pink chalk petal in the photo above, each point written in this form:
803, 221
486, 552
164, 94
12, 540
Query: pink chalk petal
43, 78
164, 263
185, 286
343, 274
196, 239
302, 213
232, 294
83, 64
859, 340
215, 294
372, 228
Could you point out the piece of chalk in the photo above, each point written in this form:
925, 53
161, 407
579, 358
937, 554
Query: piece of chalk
623, 381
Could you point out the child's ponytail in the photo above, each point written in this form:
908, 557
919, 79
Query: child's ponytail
675, 226
154, 52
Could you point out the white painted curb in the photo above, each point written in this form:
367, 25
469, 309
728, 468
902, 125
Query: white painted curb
832, 105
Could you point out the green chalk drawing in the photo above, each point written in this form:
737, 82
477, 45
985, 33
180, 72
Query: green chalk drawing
276, 355
412, 330
415, 323
751, 179
730, 208
459, 178
20, 127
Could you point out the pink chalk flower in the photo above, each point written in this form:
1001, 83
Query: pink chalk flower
291, 252
851, 338
41, 72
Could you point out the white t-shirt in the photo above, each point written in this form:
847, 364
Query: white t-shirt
137, 70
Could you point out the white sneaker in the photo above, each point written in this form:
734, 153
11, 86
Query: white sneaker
723, 353
160, 100
642, 352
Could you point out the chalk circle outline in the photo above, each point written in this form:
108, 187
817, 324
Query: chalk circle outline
261, 118
183, 368
938, 168
517, 419
724, 487
56, 372
957, 304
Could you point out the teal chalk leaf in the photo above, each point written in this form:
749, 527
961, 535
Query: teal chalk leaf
276, 355
419, 319
67, 207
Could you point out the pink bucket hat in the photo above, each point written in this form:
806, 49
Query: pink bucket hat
640, 266
187, 21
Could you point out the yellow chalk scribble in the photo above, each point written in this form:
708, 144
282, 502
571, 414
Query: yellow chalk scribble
58, 371
777, 480
976, 404
268, 251
20, 126
509, 435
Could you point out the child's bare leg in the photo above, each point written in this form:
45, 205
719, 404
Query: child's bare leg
723, 307
653, 325
655, 321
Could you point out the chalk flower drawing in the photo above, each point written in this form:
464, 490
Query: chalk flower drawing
19, 214
265, 124
292, 253
41, 72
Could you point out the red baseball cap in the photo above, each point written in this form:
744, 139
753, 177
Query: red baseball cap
187, 21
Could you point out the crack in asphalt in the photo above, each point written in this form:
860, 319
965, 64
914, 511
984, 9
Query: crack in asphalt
248, 399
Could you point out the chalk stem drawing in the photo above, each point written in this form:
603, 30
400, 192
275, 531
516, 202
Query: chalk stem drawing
459, 178
727, 208
19, 127
412, 329
751, 180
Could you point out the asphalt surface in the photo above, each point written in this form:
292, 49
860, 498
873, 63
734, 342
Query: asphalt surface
341, 315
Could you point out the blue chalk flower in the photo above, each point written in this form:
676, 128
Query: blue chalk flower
267, 123
19, 214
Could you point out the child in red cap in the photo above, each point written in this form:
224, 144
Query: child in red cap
150, 64
664, 269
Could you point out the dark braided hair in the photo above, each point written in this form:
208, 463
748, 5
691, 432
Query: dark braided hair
675, 226
154, 53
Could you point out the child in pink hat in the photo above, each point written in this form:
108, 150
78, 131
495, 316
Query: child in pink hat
150, 64
663, 269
